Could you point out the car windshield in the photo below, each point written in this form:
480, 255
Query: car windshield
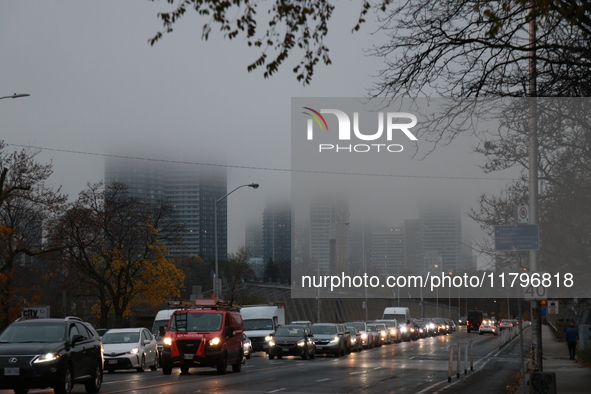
30, 333
360, 326
156, 327
324, 330
391, 316
196, 321
120, 337
258, 324
289, 332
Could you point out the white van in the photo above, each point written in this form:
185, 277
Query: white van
260, 322
401, 314
161, 320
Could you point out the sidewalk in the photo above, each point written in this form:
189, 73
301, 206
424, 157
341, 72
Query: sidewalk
571, 377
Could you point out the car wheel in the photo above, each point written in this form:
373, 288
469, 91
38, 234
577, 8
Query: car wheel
65, 387
110, 370
271, 357
94, 385
306, 354
223, 365
313, 354
166, 369
480, 333
142, 366
237, 367
279, 357
21, 391
155, 366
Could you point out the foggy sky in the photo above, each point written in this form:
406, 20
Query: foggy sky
97, 86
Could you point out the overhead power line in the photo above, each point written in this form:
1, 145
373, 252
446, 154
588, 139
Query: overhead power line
261, 168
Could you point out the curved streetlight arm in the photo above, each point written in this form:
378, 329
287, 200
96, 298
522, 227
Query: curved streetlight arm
253, 185
16, 96
215, 234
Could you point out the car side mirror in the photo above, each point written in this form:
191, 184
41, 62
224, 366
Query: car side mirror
310, 335
162, 331
77, 338
229, 332
147, 342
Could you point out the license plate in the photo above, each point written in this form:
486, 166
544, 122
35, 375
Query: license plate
285, 349
11, 372
318, 347
188, 356
112, 361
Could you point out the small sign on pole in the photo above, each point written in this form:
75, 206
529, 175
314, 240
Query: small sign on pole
552, 307
522, 214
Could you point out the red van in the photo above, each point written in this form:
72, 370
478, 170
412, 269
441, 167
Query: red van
209, 334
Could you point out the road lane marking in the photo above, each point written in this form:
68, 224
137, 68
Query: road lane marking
487, 358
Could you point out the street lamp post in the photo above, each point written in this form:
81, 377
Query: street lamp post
318, 270
216, 289
16, 96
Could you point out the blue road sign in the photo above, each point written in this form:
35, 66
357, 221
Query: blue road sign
517, 237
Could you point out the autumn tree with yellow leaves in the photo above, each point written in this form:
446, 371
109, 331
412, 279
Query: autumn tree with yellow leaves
115, 243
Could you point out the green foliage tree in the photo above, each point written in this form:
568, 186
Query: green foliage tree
271, 273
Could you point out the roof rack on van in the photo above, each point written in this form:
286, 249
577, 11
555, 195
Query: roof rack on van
212, 303
180, 304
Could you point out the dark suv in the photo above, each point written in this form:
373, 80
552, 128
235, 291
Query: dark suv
40, 353
474, 320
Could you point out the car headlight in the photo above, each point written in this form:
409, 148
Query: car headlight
167, 341
335, 339
353, 340
47, 357
215, 341
301, 342
403, 329
268, 338
134, 350
392, 332
271, 342
363, 336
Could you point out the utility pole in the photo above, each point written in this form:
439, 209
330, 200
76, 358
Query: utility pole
534, 255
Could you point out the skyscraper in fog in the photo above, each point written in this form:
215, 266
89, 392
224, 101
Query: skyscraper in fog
329, 235
277, 232
191, 189
388, 251
441, 236
253, 238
